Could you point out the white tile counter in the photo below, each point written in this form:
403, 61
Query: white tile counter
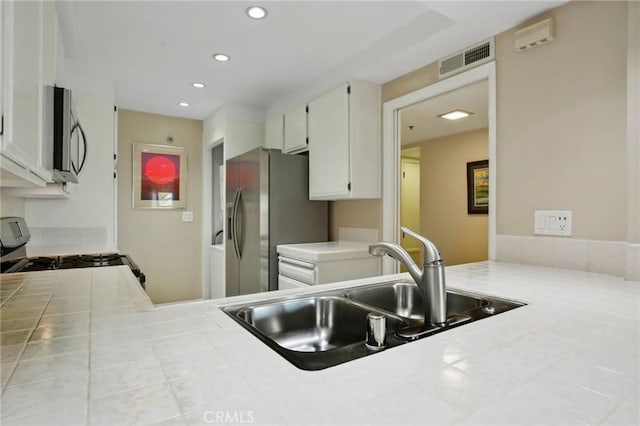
85, 346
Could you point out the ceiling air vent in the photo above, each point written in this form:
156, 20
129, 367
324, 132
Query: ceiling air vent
473, 56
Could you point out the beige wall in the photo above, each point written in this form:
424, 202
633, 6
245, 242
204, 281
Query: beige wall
561, 124
167, 250
354, 213
461, 237
633, 123
561, 128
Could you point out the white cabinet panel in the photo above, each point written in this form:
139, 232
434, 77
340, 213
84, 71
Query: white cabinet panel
241, 136
274, 133
23, 34
329, 144
295, 130
345, 143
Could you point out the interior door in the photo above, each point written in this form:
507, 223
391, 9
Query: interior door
410, 205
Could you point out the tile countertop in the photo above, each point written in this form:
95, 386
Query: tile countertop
325, 251
86, 346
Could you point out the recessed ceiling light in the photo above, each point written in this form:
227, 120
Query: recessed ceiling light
455, 114
183, 104
198, 85
256, 12
221, 57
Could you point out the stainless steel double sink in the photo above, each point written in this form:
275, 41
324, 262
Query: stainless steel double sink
328, 328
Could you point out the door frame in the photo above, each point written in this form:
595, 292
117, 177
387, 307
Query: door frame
391, 152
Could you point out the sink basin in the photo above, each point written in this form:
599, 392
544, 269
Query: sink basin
329, 328
403, 298
311, 324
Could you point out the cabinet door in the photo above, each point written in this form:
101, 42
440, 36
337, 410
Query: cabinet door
295, 130
22, 55
22, 27
329, 174
274, 133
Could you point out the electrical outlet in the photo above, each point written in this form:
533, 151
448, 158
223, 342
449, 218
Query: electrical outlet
553, 222
187, 216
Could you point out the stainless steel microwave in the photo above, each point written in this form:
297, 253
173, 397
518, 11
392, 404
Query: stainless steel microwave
64, 137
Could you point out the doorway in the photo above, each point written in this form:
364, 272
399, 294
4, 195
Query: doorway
444, 149
392, 131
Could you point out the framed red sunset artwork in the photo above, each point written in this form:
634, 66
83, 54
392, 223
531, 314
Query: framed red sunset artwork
159, 176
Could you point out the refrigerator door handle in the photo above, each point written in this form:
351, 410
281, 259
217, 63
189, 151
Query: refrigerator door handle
239, 224
234, 222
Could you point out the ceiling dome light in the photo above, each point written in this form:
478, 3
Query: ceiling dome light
256, 12
198, 85
221, 57
183, 104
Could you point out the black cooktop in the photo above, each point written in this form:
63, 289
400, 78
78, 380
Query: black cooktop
43, 263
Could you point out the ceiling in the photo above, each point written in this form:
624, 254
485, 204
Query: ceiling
423, 117
147, 53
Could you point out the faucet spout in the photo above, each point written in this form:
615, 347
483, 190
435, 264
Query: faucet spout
430, 280
398, 253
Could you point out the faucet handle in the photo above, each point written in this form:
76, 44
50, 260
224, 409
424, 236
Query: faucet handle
431, 252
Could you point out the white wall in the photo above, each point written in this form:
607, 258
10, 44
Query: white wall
11, 206
87, 218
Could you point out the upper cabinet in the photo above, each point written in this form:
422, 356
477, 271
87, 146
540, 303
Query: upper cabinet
274, 133
242, 129
295, 130
344, 129
24, 162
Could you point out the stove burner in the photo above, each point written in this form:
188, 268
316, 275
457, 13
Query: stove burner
40, 264
91, 260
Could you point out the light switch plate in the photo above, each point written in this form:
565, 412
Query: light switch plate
187, 216
553, 222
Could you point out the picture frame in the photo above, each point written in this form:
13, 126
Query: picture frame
478, 187
159, 176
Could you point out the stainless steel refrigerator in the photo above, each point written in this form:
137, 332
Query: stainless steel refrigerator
267, 203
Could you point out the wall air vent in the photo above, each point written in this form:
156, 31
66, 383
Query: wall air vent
473, 56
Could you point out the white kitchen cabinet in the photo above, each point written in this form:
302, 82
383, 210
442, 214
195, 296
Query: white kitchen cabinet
274, 133
295, 130
306, 264
345, 143
23, 160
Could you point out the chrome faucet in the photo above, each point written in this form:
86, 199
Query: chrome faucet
430, 279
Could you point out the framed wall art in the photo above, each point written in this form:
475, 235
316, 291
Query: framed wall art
159, 176
478, 187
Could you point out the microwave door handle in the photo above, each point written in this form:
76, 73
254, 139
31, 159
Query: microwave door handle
239, 222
